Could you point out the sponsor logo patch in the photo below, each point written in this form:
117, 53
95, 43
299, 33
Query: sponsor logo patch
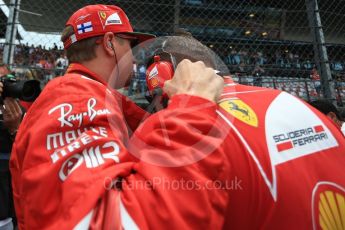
82, 17
299, 134
241, 111
113, 19
154, 82
153, 72
91, 158
299, 137
67, 117
328, 206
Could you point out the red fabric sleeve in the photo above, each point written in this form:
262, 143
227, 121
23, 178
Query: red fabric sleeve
181, 187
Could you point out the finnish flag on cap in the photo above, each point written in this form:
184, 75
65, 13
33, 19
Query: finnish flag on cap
85, 27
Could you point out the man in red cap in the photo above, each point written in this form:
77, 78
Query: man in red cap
72, 144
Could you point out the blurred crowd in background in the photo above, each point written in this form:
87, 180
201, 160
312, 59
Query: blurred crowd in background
254, 68
37, 62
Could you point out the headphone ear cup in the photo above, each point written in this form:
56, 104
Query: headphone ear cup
110, 45
157, 73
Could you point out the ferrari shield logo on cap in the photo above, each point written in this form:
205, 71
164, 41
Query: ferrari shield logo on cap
102, 14
102, 17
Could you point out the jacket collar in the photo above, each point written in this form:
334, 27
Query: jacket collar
133, 114
80, 69
228, 80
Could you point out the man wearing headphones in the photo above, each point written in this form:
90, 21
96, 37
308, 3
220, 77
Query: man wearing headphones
287, 157
70, 163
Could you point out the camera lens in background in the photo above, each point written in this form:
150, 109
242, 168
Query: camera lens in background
25, 90
31, 90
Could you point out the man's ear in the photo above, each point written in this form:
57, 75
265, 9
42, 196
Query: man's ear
107, 43
331, 115
334, 117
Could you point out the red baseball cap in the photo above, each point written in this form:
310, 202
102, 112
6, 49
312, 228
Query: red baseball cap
96, 20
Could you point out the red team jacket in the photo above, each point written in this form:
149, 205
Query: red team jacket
289, 157
264, 159
70, 163
286, 162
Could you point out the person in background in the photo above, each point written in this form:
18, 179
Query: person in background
133, 83
257, 73
315, 77
4, 70
142, 80
331, 111
10, 118
61, 65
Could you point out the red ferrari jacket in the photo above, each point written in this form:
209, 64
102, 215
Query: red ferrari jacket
71, 167
286, 165
289, 159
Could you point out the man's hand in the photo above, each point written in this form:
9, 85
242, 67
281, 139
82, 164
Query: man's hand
12, 114
195, 79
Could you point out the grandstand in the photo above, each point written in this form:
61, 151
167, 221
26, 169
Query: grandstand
273, 36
